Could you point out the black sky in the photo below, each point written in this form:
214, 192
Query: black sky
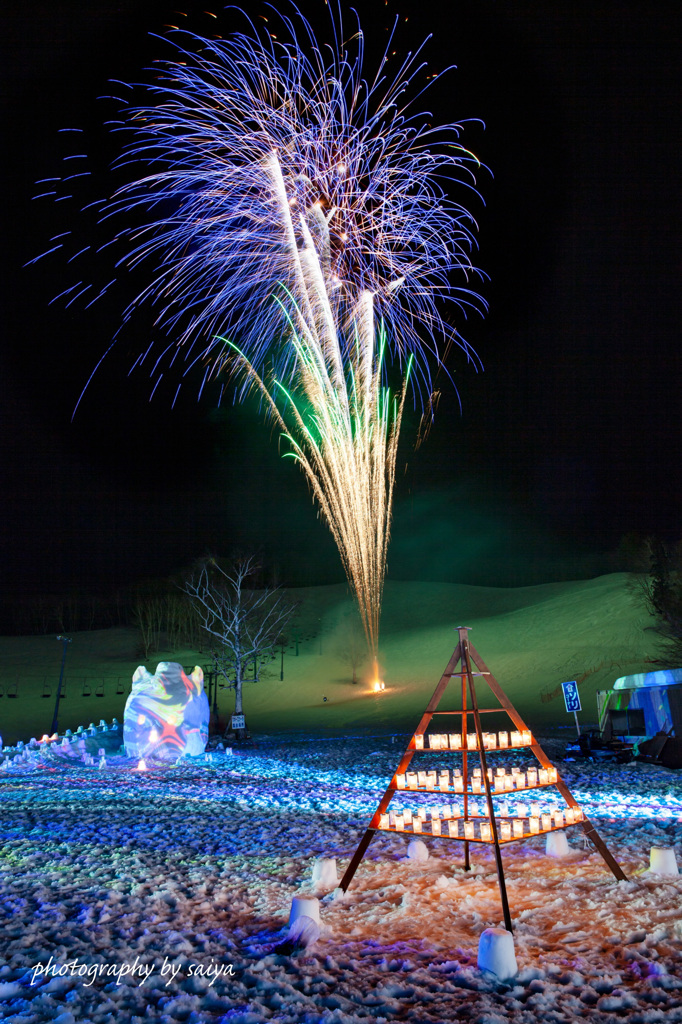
569, 439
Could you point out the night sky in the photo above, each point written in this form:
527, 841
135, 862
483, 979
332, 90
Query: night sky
568, 440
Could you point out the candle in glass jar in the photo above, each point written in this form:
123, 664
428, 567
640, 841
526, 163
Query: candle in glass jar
543, 778
456, 810
412, 781
518, 829
526, 738
421, 813
546, 821
569, 815
431, 780
455, 741
416, 824
459, 785
472, 741
407, 816
444, 780
384, 821
516, 739
419, 741
436, 827
485, 831
446, 811
532, 777
535, 809
534, 824
468, 830
503, 809
558, 819
521, 810
453, 828
399, 821
400, 781
552, 775
476, 785
508, 783
578, 814
520, 779
421, 777
505, 830
503, 739
499, 783
434, 741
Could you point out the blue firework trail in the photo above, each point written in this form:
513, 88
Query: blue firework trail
363, 169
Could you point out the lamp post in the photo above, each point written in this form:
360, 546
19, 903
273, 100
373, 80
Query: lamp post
66, 640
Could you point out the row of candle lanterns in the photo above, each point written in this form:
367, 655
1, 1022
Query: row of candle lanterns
491, 740
405, 820
501, 780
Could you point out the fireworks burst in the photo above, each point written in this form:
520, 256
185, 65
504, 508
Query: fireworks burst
290, 204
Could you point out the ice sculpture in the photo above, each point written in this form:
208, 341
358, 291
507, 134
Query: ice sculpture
167, 713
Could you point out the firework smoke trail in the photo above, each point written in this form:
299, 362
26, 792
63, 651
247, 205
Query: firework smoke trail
274, 167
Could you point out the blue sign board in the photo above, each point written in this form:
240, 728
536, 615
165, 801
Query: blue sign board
571, 696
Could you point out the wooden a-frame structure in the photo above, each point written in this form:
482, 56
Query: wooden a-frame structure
468, 745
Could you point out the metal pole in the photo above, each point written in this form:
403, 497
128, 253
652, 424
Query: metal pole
55, 718
577, 723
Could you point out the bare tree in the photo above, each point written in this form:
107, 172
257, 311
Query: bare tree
244, 624
353, 644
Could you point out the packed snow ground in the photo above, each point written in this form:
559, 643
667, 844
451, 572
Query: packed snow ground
194, 867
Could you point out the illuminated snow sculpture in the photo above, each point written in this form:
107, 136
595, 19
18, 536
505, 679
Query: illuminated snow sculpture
167, 713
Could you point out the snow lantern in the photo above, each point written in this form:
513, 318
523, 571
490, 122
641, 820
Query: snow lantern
496, 953
304, 906
662, 861
166, 714
324, 873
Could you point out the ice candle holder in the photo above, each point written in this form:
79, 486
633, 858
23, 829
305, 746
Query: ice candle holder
505, 830
534, 825
546, 822
468, 830
453, 828
486, 833
518, 829
503, 740
419, 741
455, 741
400, 781
472, 741
412, 781
516, 739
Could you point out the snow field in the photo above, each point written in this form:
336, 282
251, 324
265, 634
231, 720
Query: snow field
195, 866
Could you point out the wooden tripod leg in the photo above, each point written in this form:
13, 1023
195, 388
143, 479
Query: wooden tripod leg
357, 857
592, 834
